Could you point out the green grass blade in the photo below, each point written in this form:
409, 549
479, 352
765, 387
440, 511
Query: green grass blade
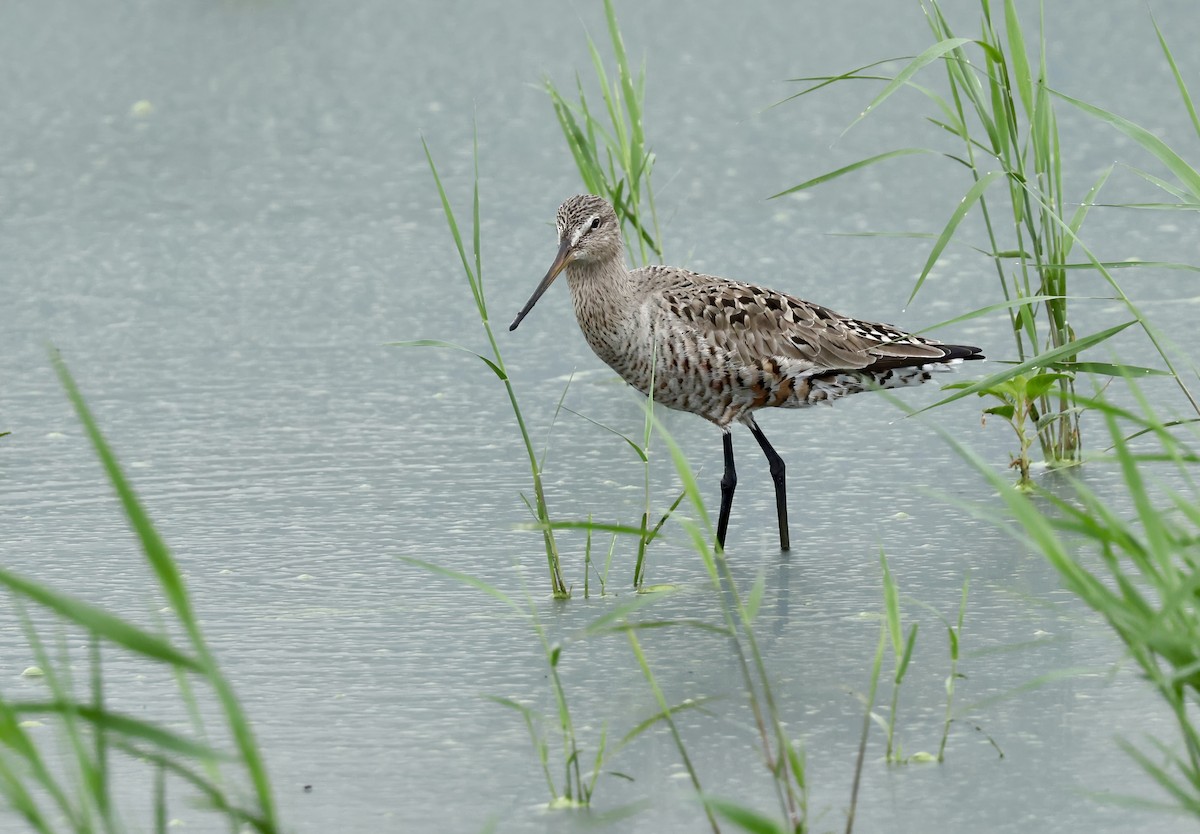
973, 195
662, 716
1152, 526
594, 526
849, 75
636, 137
13, 781
991, 308
578, 143
171, 583
133, 729
618, 140
1183, 90
99, 622
152, 544
891, 599
1133, 263
1042, 360
906, 658
665, 711
455, 233
466, 579
862, 163
212, 793
1186, 174
1108, 369
1175, 191
482, 300
1082, 211
747, 819
439, 343
928, 56
632, 444
1018, 56
160, 800
1002, 132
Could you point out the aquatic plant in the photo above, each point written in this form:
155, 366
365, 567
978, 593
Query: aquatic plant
614, 162
1139, 570
1000, 108
75, 792
577, 786
473, 271
613, 159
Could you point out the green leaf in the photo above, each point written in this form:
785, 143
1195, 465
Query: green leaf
664, 715
636, 448
594, 526
454, 232
850, 75
154, 548
511, 704
862, 163
1021, 303
974, 193
1039, 361
1107, 369
438, 343
1186, 174
160, 738
1041, 383
891, 600
908, 650
928, 56
1131, 264
796, 760
101, 623
1081, 212
1020, 60
1183, 90
745, 818
466, 579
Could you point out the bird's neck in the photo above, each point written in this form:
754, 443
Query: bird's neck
607, 299
601, 289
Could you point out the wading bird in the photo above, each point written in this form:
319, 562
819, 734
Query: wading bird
724, 349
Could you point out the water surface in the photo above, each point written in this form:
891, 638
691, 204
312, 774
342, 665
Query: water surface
220, 213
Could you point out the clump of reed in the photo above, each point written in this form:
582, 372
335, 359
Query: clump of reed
999, 108
612, 157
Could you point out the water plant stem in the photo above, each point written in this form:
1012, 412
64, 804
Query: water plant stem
473, 269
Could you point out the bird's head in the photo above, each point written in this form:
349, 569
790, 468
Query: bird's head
588, 232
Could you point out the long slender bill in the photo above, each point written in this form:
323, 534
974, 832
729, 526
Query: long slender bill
560, 262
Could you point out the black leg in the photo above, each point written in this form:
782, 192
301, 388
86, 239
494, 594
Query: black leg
728, 484
777, 474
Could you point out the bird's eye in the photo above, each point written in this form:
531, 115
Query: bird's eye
595, 222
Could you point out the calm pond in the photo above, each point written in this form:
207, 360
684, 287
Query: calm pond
220, 213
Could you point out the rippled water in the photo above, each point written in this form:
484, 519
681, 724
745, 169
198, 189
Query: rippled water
222, 265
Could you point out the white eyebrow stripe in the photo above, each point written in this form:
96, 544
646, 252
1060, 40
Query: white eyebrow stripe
581, 228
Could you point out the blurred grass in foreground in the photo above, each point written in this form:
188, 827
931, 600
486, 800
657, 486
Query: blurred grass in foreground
73, 790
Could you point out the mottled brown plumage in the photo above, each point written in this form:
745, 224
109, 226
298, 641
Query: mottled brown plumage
724, 349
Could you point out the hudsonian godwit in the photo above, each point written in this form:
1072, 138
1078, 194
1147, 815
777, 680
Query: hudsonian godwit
724, 349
